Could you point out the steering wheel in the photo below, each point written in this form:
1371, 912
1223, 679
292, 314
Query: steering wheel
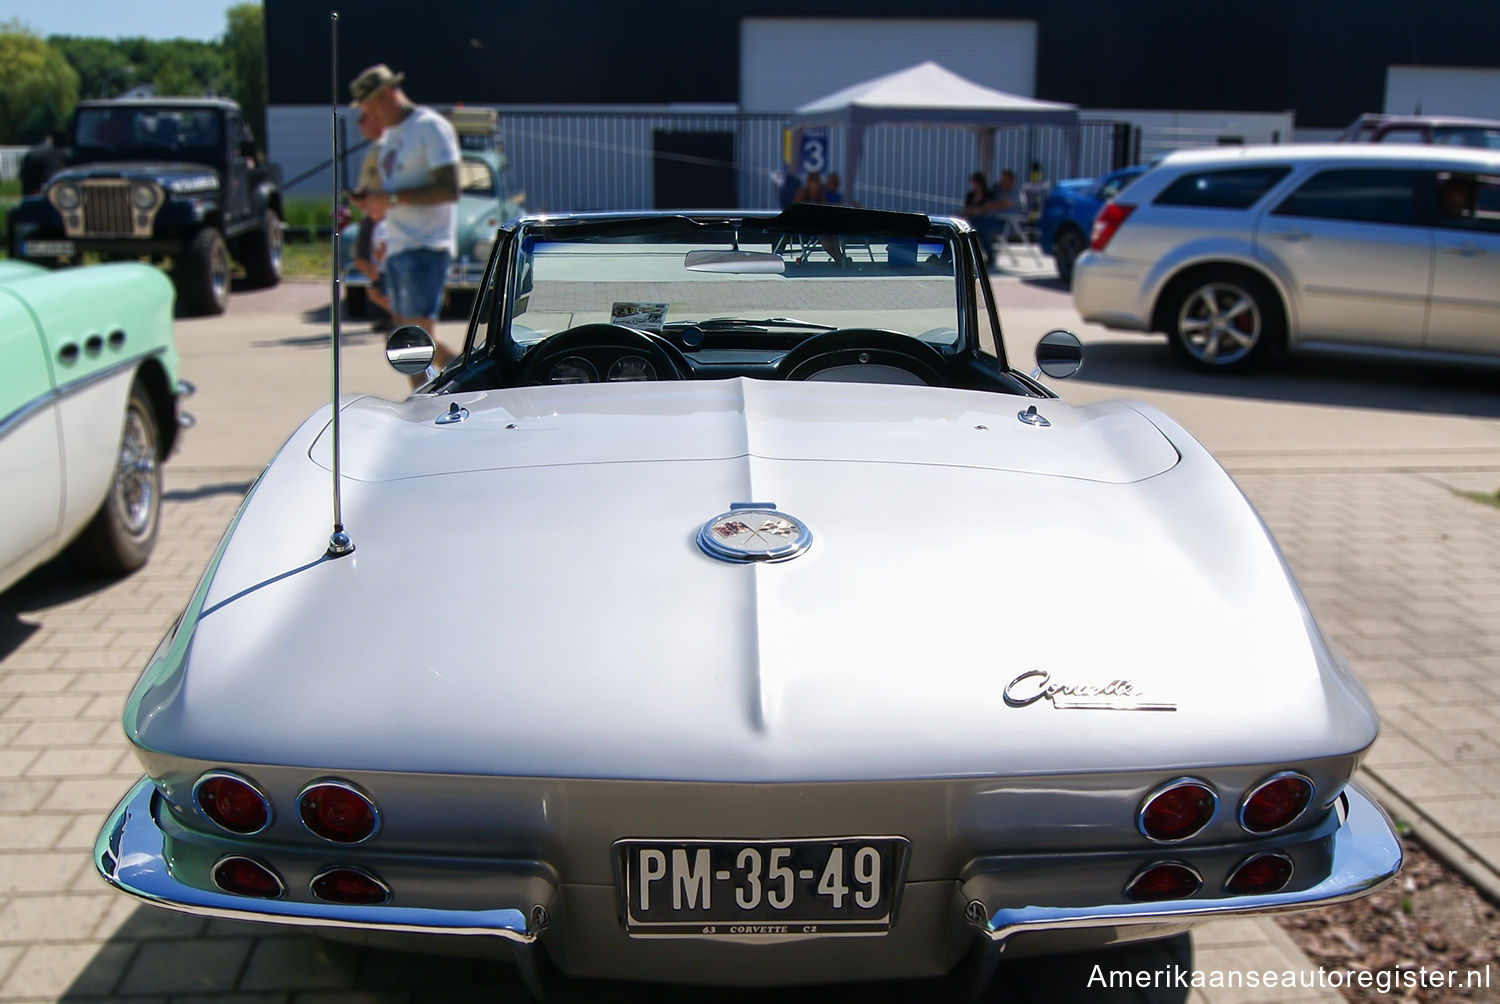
660, 354
848, 349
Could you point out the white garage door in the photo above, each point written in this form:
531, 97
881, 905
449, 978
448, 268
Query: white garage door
786, 62
1434, 90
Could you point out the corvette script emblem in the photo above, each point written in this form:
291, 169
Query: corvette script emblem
1116, 695
754, 531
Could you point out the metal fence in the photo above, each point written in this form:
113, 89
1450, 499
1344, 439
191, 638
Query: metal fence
609, 160
10, 162
606, 161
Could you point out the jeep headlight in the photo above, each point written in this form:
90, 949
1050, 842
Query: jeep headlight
66, 196
142, 196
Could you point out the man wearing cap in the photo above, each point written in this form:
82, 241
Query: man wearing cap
417, 198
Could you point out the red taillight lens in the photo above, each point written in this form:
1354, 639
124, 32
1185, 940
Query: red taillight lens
1107, 222
350, 885
337, 811
233, 803
247, 877
1168, 880
1275, 803
1178, 810
1263, 873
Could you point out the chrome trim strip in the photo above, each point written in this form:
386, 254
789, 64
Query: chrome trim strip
42, 400
1366, 854
210, 775
335, 782
1312, 791
130, 854
1140, 814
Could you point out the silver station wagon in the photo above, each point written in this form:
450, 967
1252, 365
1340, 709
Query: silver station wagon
1238, 254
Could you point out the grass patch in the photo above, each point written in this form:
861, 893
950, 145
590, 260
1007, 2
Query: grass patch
1483, 498
307, 261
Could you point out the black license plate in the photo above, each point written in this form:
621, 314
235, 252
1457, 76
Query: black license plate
760, 888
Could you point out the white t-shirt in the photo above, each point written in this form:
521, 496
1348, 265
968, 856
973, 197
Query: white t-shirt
409, 153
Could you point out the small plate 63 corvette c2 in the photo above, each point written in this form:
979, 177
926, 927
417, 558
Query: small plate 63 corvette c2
693, 888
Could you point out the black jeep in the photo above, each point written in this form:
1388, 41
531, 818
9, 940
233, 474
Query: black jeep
162, 178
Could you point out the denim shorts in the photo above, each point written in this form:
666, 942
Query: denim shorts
415, 279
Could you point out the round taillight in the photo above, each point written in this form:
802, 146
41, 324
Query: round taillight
1263, 873
1164, 880
1177, 810
247, 877
337, 811
350, 885
232, 802
1276, 802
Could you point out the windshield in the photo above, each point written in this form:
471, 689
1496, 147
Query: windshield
149, 133
744, 279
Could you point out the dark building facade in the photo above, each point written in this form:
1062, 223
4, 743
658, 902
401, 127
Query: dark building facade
1327, 60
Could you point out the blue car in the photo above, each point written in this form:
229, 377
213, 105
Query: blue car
1068, 214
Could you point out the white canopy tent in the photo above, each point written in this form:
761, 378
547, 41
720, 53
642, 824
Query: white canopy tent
929, 94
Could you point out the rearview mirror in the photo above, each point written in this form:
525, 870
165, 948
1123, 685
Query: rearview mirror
738, 262
409, 350
1059, 354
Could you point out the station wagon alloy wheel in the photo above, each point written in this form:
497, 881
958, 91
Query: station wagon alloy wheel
1219, 324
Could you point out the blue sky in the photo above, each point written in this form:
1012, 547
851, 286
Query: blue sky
197, 19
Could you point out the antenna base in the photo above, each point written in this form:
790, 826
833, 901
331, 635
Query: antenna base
339, 545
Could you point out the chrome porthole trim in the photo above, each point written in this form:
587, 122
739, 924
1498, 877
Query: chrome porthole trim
1291, 870
754, 533
1174, 862
334, 782
1140, 815
242, 779
1312, 791
313, 882
226, 859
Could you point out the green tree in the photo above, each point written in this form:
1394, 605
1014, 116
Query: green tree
38, 88
245, 55
104, 70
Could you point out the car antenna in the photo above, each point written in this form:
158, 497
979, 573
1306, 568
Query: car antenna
339, 543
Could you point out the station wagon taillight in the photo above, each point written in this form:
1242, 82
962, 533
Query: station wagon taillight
232, 802
1276, 802
247, 877
1107, 222
337, 811
1264, 873
1177, 810
1166, 880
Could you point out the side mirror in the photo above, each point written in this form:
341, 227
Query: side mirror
409, 350
1059, 354
247, 148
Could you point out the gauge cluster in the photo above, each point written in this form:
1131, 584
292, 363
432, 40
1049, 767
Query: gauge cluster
626, 368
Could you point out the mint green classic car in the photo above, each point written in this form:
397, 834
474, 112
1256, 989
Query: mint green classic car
88, 411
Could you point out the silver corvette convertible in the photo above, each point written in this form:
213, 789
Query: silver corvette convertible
729, 611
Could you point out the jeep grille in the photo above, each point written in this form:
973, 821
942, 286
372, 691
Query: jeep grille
106, 209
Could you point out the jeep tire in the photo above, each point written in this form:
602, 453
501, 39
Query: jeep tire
260, 252
201, 274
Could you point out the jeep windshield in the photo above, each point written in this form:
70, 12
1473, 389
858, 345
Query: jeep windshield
149, 132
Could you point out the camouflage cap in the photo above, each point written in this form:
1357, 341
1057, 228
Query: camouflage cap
371, 81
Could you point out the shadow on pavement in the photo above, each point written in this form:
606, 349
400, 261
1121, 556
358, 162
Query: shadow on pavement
58, 581
1306, 378
204, 491
156, 952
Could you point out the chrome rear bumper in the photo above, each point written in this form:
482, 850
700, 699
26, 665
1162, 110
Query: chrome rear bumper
133, 854
1352, 853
